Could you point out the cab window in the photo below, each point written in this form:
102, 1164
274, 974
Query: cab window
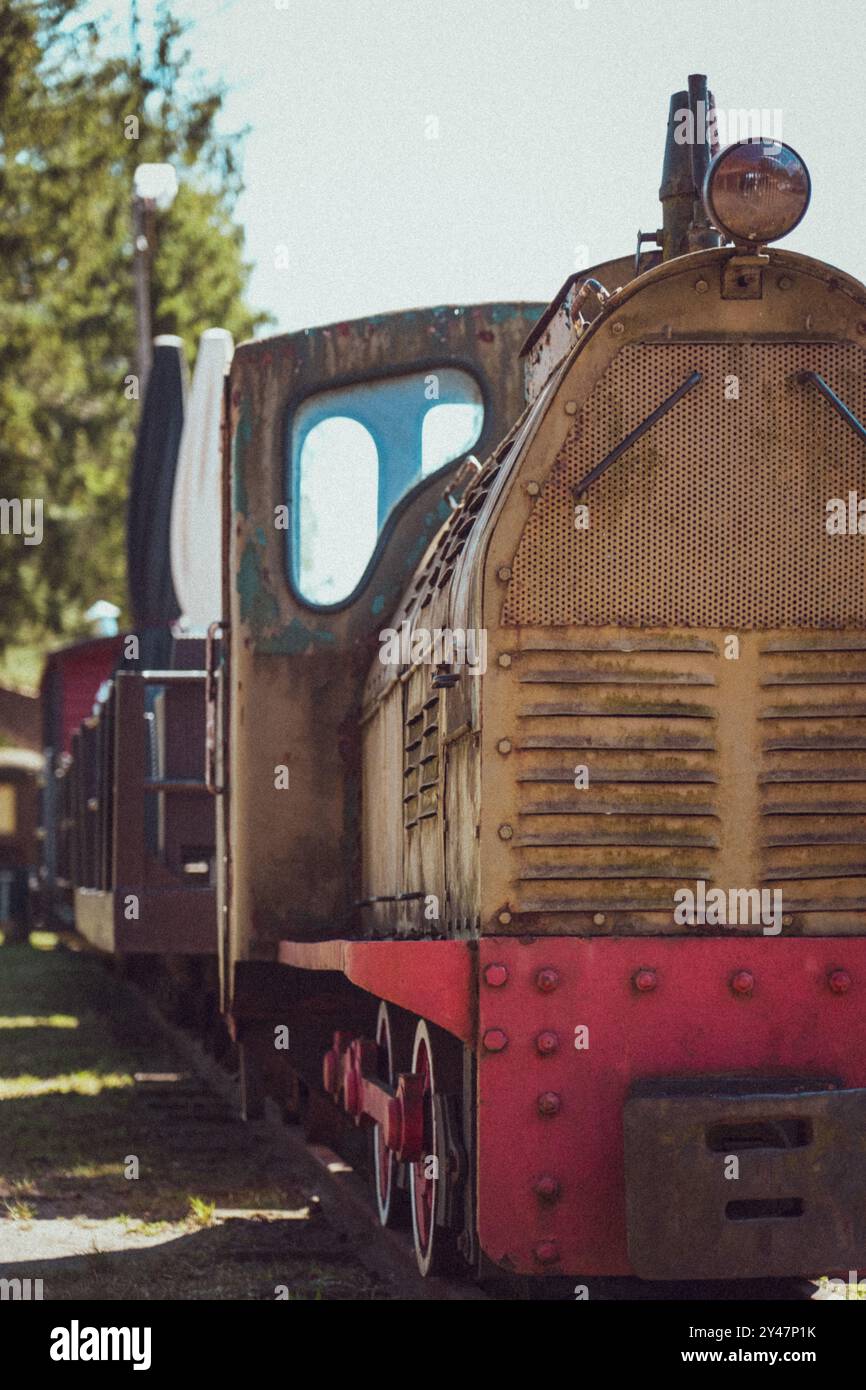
355, 451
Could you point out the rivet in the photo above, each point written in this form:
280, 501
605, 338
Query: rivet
547, 979
505, 832
495, 1040
505, 659
504, 918
547, 1253
645, 980
504, 572
546, 1188
743, 982
549, 1103
787, 920
701, 286
599, 919
839, 981
495, 975
533, 489
616, 329
547, 1043
785, 282
504, 745
571, 407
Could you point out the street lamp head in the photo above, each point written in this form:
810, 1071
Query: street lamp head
156, 183
104, 616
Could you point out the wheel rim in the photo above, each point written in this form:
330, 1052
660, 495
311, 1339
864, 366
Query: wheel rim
424, 1187
383, 1157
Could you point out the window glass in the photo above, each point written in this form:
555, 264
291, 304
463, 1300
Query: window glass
447, 432
355, 452
338, 480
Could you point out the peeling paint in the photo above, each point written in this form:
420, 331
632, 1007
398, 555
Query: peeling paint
294, 639
243, 435
258, 606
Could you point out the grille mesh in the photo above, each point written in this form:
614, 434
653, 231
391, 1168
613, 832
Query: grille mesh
716, 517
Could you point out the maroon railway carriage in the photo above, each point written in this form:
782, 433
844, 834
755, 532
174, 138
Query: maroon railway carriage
20, 771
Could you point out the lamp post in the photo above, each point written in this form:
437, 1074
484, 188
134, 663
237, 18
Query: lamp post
153, 186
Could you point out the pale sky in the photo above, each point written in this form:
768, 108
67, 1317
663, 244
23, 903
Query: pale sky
551, 120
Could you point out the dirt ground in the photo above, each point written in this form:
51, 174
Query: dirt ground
90, 1096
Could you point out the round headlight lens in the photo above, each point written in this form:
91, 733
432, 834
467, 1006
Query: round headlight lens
757, 190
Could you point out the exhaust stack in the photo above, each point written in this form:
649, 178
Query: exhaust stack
690, 145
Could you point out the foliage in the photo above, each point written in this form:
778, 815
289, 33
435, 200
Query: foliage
67, 327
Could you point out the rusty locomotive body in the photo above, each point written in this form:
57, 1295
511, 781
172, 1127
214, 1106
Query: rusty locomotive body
543, 836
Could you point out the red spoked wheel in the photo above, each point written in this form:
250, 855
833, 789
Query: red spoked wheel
435, 1247
390, 1201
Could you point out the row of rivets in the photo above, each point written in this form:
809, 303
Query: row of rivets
496, 974
496, 1040
743, 982
644, 980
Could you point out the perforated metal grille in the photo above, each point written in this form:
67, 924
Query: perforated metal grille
716, 517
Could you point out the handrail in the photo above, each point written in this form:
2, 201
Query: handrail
210, 697
632, 438
837, 403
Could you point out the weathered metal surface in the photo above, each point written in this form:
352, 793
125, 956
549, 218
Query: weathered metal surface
430, 978
685, 226
690, 542
793, 1200
698, 771
687, 501
551, 1100
567, 317
297, 671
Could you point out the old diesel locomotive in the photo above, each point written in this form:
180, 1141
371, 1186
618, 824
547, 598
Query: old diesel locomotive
539, 783
558, 1067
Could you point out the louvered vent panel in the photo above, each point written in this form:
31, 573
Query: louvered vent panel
420, 751
716, 516
640, 713
813, 776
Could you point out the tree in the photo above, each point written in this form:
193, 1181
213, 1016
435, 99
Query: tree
68, 150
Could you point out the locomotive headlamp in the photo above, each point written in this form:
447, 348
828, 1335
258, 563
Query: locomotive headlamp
757, 191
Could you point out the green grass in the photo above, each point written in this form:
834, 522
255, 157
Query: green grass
73, 1037
201, 1212
19, 1211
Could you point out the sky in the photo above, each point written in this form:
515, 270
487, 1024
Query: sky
414, 152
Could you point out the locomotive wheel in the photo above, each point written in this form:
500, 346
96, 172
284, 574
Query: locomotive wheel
433, 1059
390, 1200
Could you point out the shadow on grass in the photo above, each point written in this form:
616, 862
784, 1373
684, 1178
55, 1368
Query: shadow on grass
72, 1116
238, 1259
